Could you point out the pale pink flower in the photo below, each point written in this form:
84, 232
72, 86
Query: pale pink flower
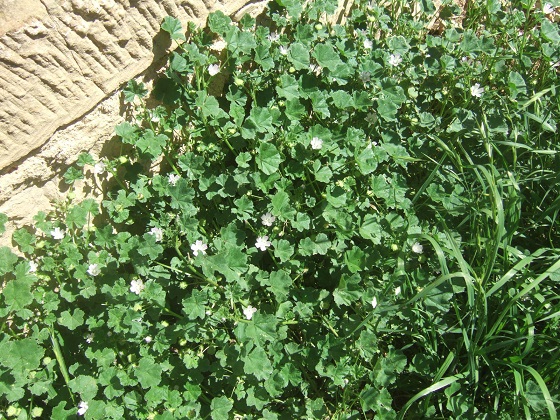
199, 246
249, 311
263, 243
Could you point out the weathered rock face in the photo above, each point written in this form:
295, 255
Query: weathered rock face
61, 64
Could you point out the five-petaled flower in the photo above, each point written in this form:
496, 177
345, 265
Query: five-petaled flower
173, 178
57, 233
397, 290
93, 270
476, 90
395, 59
213, 69
199, 246
417, 248
273, 37
99, 168
268, 219
136, 286
263, 243
89, 338
374, 302
82, 408
316, 143
283, 50
548, 9
249, 311
368, 44
157, 232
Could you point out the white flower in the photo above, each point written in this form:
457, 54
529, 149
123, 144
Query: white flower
263, 243
548, 9
368, 45
148, 339
273, 37
157, 232
199, 246
374, 302
33, 266
315, 68
268, 219
173, 178
476, 90
398, 291
249, 311
365, 76
57, 233
93, 270
218, 45
213, 69
316, 143
136, 286
395, 59
99, 168
417, 248
89, 338
283, 50
82, 408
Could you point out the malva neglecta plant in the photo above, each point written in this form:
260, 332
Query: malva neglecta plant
346, 221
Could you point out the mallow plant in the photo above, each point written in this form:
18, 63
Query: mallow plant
308, 220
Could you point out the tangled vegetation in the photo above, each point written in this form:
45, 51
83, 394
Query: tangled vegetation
347, 221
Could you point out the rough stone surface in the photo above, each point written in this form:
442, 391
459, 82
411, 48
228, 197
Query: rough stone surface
62, 63
60, 58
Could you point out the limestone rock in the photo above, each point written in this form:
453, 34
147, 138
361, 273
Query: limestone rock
59, 58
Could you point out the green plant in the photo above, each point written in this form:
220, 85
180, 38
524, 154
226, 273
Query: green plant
349, 221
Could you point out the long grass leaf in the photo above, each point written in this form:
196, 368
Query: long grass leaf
544, 389
431, 389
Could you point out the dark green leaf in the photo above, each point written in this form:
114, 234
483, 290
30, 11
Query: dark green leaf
220, 406
299, 56
152, 145
25, 240
268, 158
7, 260
148, 372
194, 305
348, 291
173, 27
257, 364
326, 56
72, 320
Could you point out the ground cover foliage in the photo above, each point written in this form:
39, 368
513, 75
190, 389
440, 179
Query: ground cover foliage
348, 221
